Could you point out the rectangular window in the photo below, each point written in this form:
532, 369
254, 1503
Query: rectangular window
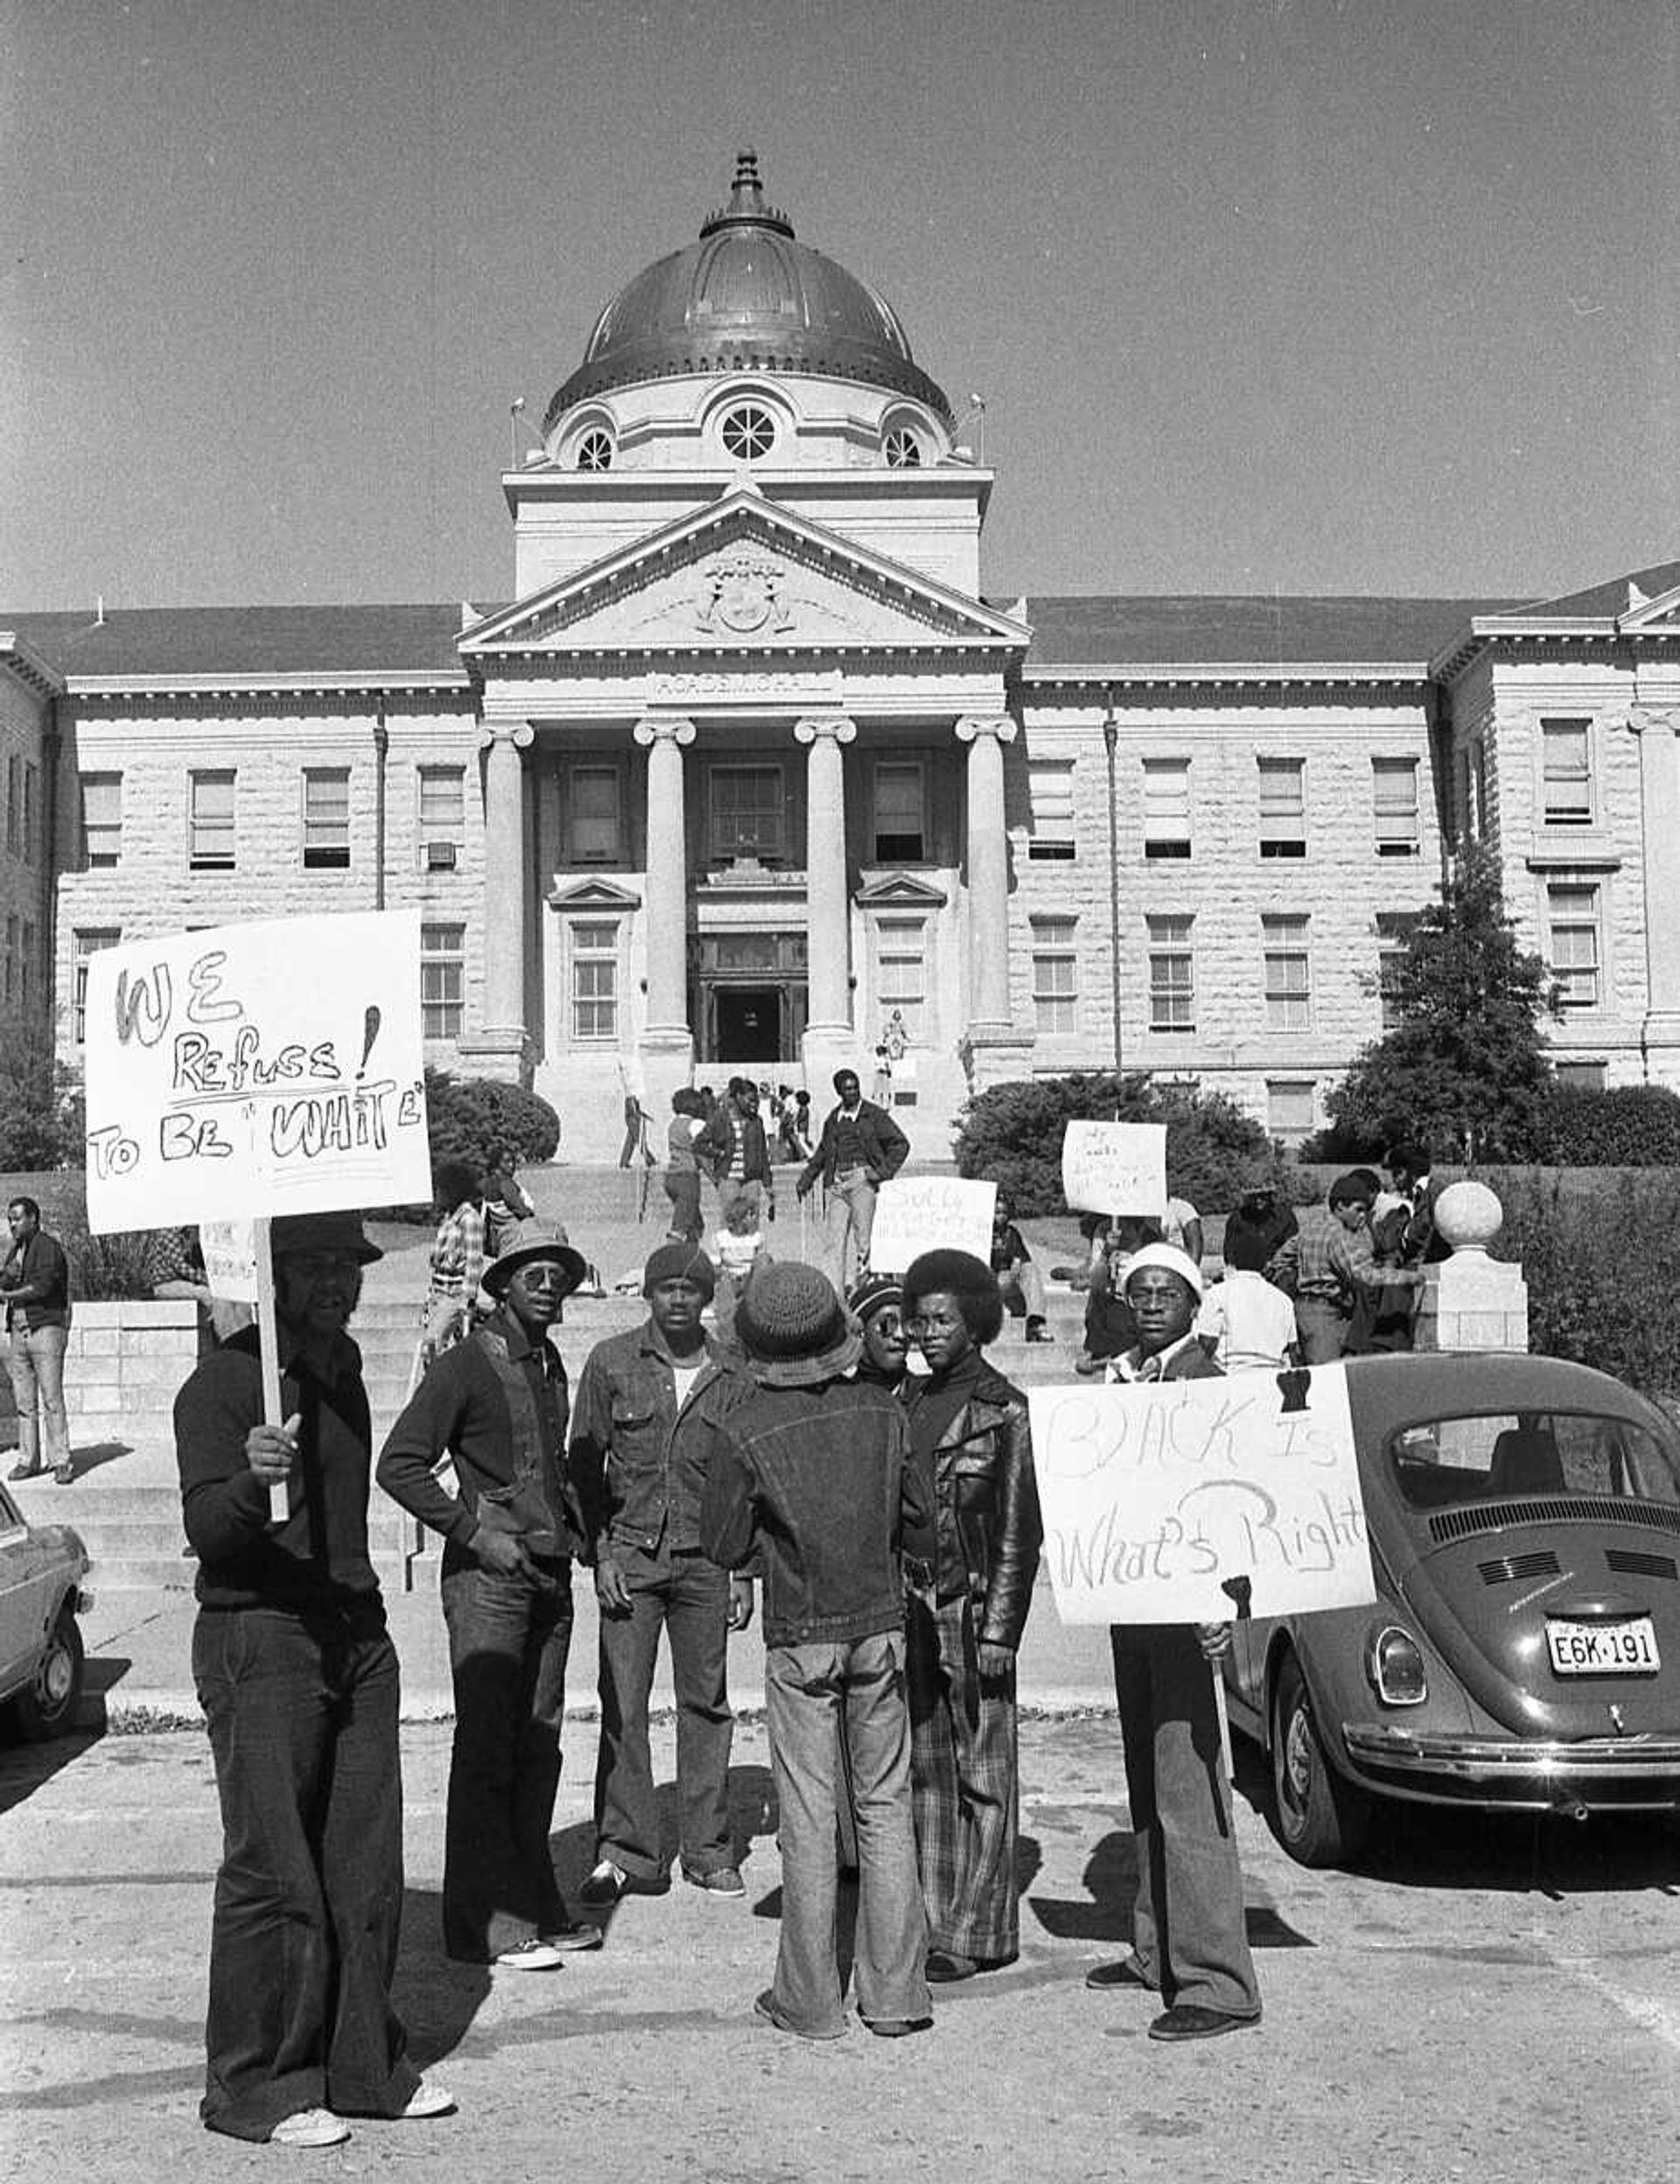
592, 811
11, 962
102, 821
326, 818
1166, 806
595, 980
1288, 1108
899, 829
210, 823
748, 810
88, 943
1479, 778
901, 973
1572, 921
31, 811
1567, 763
1394, 793
1283, 806
1172, 975
26, 966
1394, 932
1580, 1077
1289, 1003
1050, 791
1055, 976
14, 802
443, 817
443, 978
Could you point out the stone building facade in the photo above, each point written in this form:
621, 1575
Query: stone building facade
749, 775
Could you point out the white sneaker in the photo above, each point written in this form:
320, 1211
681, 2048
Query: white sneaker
427, 2100
310, 2127
531, 1956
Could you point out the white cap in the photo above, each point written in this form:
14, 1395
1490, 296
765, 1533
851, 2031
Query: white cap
1170, 1256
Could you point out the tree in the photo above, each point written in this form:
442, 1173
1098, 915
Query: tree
1465, 1066
39, 1127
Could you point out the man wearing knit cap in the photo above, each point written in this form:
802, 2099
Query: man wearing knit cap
877, 1304
1189, 1940
650, 1407
814, 1481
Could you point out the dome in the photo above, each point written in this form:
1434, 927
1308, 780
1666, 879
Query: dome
745, 298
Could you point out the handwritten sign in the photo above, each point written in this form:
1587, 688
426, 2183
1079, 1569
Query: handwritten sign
1155, 1497
1115, 1167
228, 1249
928, 1213
256, 1069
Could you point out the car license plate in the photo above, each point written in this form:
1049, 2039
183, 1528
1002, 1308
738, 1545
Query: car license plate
1624, 1648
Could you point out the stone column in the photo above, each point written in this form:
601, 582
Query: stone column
988, 862
829, 1040
666, 1041
499, 1045
1659, 796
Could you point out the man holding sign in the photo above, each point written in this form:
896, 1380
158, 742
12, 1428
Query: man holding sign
298, 1678
1189, 1940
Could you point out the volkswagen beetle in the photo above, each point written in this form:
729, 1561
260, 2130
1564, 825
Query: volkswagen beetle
42, 1567
1524, 1649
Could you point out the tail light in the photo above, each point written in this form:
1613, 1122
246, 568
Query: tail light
1394, 1663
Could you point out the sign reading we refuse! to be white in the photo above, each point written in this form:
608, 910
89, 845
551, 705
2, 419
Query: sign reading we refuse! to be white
256, 1069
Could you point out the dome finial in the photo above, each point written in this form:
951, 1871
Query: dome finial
747, 203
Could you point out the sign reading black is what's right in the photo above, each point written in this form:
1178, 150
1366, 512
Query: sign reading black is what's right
1156, 1498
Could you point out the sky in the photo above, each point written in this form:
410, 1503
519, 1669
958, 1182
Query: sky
1262, 295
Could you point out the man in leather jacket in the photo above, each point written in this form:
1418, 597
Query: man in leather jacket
971, 1443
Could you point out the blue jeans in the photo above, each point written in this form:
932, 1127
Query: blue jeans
687, 1597
809, 1690
302, 1712
36, 1363
508, 1647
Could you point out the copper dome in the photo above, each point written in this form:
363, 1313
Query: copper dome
747, 297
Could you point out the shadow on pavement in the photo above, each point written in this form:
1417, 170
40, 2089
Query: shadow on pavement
26, 1768
91, 1456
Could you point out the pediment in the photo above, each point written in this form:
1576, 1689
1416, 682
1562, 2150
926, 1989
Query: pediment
1662, 613
899, 891
744, 575
594, 895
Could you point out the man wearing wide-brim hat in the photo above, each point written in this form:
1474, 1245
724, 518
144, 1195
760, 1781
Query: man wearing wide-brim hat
497, 1403
298, 1681
814, 1481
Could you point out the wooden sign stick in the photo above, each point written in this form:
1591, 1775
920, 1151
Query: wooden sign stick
267, 1343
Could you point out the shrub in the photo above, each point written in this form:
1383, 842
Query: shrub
1012, 1135
1631, 1126
469, 1119
1602, 1266
36, 1129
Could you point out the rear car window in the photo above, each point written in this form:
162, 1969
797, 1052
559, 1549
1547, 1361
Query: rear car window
1500, 1456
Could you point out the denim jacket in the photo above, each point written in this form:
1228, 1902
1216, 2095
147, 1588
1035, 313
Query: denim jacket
986, 1515
638, 1465
811, 1490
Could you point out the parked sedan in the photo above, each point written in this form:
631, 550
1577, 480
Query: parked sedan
42, 1567
1524, 1649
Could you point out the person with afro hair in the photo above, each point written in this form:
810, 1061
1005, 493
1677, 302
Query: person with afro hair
972, 1576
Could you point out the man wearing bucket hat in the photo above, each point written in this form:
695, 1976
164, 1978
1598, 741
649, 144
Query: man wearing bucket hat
298, 1678
1189, 1941
647, 1418
497, 1403
814, 1479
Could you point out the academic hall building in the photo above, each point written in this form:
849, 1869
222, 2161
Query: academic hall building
751, 774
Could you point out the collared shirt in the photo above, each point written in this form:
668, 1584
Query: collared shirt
1131, 1367
458, 1252
848, 1140
639, 1458
39, 1266
1331, 1263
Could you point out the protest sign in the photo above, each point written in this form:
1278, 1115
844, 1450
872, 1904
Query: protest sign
1115, 1167
927, 1213
1155, 1497
256, 1069
228, 1249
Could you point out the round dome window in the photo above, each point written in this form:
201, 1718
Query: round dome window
903, 450
748, 432
595, 450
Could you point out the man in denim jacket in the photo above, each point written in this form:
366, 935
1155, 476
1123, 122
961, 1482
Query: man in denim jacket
815, 1480
646, 1418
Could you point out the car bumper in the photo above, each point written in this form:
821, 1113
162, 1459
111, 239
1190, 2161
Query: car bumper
1594, 1772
